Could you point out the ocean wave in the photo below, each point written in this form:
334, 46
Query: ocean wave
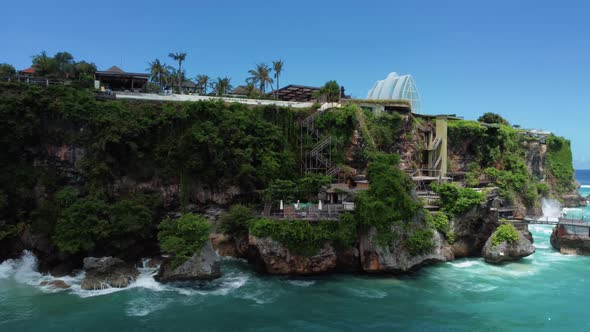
587, 186
24, 270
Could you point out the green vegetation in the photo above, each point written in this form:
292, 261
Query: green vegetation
505, 233
339, 123
559, 157
388, 199
455, 200
499, 151
209, 144
420, 241
183, 237
330, 92
304, 188
440, 222
87, 223
6, 70
492, 118
304, 237
235, 221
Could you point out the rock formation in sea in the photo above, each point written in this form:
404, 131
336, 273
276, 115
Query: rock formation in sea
204, 265
570, 244
104, 272
505, 251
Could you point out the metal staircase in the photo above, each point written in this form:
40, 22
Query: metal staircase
319, 158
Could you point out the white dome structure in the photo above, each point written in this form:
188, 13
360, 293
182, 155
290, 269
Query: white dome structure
395, 87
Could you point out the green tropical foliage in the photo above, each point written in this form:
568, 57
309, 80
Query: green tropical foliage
455, 200
261, 76
183, 237
505, 233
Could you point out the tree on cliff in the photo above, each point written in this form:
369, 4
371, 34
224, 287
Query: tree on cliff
160, 72
493, 118
179, 57
202, 84
260, 76
6, 70
277, 66
184, 236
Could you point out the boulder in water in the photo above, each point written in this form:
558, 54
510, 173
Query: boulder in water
55, 284
203, 265
505, 251
105, 272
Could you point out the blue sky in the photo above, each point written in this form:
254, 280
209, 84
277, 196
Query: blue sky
527, 60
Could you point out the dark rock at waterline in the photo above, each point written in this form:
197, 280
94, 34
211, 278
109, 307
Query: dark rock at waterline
55, 284
62, 269
574, 200
275, 258
107, 272
553, 239
204, 265
506, 252
570, 244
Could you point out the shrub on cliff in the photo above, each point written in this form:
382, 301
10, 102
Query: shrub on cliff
559, 157
235, 221
505, 233
455, 200
420, 241
388, 199
303, 237
90, 221
491, 118
184, 236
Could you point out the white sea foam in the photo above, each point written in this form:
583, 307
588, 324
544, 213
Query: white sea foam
368, 293
585, 186
465, 264
24, 270
301, 283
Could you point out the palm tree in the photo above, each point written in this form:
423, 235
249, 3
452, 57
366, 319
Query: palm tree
277, 66
222, 86
202, 83
260, 76
179, 57
43, 64
159, 72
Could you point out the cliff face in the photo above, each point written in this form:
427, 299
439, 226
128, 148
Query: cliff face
397, 258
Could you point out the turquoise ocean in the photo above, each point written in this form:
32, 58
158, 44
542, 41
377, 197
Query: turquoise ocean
545, 291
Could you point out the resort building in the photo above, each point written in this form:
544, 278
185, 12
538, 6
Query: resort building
395, 87
242, 91
116, 79
300, 93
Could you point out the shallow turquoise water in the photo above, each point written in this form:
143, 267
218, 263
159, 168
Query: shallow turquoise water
546, 291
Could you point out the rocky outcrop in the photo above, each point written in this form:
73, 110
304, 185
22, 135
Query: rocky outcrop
59, 284
506, 252
105, 272
574, 200
396, 258
204, 265
231, 246
275, 258
473, 228
570, 245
